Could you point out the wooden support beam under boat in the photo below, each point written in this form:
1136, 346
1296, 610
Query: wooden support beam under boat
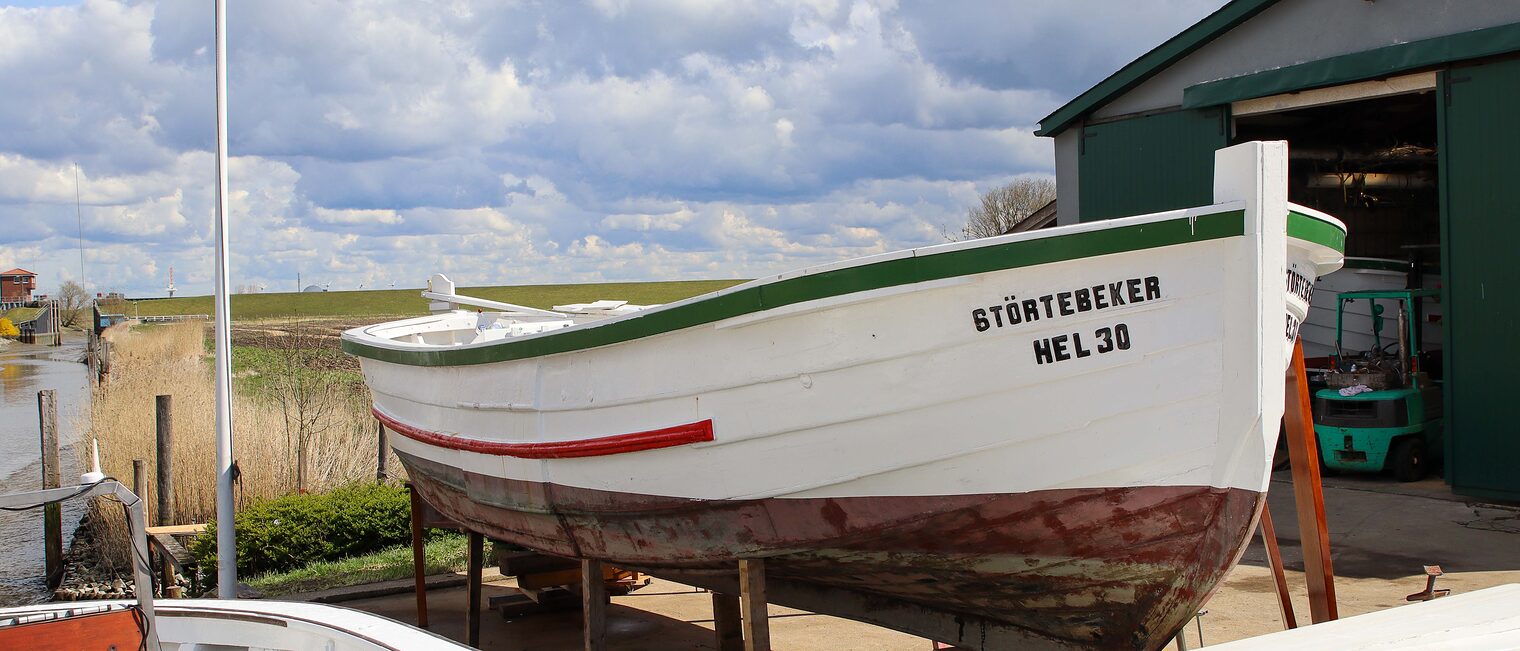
419, 558
476, 554
1274, 559
593, 605
752, 602
1308, 494
727, 626
963, 630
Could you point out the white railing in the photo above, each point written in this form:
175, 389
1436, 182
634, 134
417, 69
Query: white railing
172, 317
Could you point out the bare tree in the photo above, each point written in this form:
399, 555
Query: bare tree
73, 300
1005, 206
309, 394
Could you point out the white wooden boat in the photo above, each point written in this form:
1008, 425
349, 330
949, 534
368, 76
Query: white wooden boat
1031, 441
1486, 619
188, 624
224, 625
1357, 274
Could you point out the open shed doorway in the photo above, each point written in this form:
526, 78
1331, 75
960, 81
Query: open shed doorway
1372, 163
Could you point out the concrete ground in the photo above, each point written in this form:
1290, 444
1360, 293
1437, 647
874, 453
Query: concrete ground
1381, 534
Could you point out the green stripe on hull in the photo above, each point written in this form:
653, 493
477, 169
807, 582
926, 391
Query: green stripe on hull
849, 280
1376, 264
1310, 229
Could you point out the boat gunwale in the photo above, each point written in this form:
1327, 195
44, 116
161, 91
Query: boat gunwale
900, 268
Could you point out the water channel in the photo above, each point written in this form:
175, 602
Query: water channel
25, 370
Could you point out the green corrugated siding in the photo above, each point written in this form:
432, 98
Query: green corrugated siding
1480, 139
1148, 164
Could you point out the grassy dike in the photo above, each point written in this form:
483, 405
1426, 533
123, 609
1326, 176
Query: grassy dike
407, 301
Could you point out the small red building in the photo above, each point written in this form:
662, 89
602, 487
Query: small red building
16, 285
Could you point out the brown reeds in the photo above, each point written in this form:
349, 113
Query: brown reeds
330, 419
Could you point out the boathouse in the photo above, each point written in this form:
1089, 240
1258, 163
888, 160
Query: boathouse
1400, 117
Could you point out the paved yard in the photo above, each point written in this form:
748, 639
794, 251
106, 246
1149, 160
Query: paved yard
1381, 533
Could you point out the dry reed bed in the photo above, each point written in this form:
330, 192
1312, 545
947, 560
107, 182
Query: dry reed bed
268, 429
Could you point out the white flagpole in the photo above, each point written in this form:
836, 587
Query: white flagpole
226, 545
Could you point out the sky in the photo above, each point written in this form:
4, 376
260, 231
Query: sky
374, 143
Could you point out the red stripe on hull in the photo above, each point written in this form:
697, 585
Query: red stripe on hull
1119, 568
698, 432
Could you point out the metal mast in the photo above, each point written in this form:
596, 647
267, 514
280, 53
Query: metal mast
226, 546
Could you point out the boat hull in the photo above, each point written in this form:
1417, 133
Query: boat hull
1090, 567
1061, 437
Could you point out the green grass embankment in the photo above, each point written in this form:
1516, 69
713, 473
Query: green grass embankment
445, 552
407, 301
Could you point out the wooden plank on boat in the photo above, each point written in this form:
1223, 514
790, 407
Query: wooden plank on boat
115, 629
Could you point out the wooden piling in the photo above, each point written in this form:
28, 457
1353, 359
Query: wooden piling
593, 605
52, 514
164, 427
383, 452
140, 484
727, 623
752, 602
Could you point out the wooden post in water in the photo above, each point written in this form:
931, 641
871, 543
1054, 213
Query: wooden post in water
383, 452
52, 514
105, 359
163, 419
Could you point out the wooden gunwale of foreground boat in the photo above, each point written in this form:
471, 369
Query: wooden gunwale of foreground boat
1056, 439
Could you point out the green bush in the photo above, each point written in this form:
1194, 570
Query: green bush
288, 532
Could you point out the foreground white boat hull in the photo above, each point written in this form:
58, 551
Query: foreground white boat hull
1082, 472
225, 625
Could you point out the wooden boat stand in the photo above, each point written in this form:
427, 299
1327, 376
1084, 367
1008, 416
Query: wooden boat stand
1309, 502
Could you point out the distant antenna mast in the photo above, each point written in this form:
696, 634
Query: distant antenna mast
171, 282
79, 219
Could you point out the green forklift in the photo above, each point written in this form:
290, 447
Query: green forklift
1381, 410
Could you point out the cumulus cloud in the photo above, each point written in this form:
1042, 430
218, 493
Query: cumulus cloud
375, 142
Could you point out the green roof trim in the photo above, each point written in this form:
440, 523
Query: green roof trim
1357, 66
849, 280
1145, 67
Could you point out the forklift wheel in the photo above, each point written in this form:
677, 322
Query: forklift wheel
1408, 459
